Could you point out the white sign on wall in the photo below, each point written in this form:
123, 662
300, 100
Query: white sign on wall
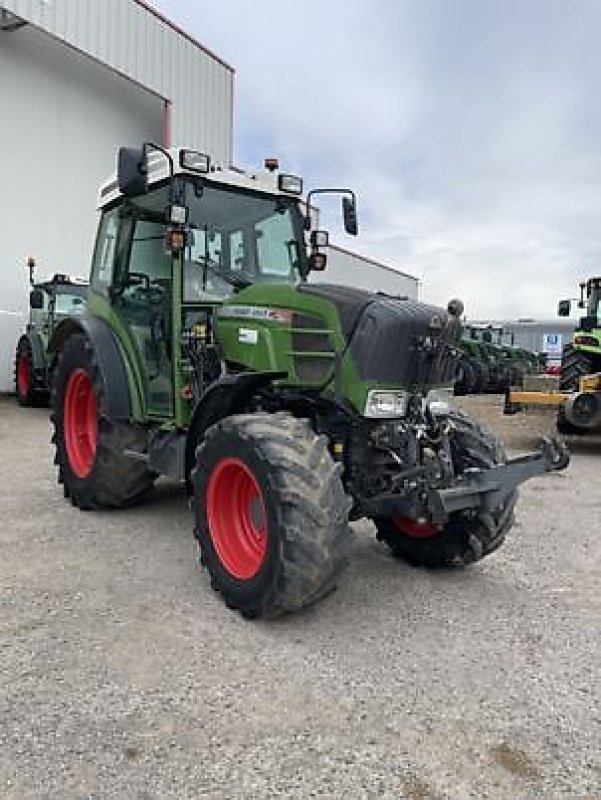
552, 344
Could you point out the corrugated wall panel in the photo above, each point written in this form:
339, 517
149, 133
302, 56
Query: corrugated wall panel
130, 39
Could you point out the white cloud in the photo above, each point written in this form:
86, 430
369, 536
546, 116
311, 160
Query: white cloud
470, 130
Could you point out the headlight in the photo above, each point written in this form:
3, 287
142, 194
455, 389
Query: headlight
385, 404
291, 184
194, 161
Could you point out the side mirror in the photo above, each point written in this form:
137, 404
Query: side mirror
349, 213
36, 299
563, 308
131, 171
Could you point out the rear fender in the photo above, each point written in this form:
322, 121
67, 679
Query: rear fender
37, 348
227, 396
109, 356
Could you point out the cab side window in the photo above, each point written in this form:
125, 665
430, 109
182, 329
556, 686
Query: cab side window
103, 262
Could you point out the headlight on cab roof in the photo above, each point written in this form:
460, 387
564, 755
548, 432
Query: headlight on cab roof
194, 161
290, 183
383, 404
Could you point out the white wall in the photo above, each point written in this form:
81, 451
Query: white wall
138, 42
351, 269
62, 118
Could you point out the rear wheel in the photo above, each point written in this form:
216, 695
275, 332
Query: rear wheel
24, 377
91, 447
271, 513
467, 536
574, 365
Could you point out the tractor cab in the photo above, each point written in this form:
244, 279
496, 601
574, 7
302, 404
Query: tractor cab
178, 236
592, 289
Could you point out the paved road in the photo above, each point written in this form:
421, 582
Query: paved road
123, 676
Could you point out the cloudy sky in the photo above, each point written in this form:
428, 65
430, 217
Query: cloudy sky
470, 129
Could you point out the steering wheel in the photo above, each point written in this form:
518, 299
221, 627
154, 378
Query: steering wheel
226, 276
144, 290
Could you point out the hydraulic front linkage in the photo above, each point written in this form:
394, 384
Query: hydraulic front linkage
485, 490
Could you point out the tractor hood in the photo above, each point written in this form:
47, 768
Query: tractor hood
320, 335
394, 340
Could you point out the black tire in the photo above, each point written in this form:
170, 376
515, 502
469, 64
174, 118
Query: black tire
466, 377
113, 480
304, 505
517, 376
567, 428
467, 537
24, 375
574, 364
482, 378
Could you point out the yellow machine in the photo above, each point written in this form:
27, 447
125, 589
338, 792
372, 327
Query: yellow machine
578, 411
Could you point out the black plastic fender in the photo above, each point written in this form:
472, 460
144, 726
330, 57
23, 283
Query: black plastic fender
225, 397
109, 358
36, 344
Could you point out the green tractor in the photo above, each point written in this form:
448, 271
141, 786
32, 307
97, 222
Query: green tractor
288, 408
473, 374
583, 355
50, 302
483, 366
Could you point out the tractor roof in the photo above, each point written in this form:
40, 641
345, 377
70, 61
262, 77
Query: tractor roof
158, 170
59, 279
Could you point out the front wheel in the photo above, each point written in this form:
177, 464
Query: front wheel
467, 536
24, 374
91, 447
271, 513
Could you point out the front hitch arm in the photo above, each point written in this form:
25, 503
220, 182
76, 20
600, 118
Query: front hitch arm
487, 489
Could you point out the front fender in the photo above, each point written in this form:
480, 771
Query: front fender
225, 397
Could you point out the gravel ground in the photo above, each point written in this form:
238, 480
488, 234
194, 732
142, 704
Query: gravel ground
123, 676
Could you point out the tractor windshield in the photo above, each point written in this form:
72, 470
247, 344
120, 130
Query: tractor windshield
69, 303
239, 238
236, 237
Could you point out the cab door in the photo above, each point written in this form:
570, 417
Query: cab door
142, 300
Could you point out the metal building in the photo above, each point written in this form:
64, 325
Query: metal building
351, 269
540, 336
78, 78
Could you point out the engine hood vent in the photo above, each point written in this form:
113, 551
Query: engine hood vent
395, 341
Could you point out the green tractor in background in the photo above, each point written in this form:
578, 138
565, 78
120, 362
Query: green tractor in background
514, 362
50, 302
483, 365
583, 355
473, 372
491, 362
288, 408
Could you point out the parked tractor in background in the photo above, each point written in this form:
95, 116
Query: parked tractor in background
50, 302
289, 408
491, 362
583, 355
473, 369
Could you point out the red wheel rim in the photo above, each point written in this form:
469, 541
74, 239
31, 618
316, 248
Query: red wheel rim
237, 518
80, 423
23, 375
414, 529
